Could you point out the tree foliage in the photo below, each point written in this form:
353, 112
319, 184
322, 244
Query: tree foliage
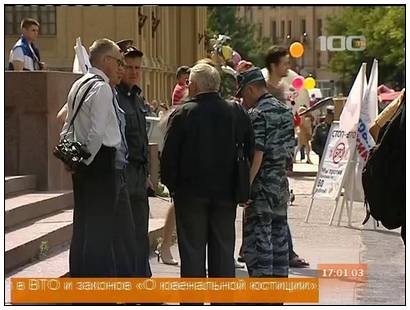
384, 29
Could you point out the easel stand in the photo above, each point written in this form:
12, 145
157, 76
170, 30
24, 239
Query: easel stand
348, 186
346, 202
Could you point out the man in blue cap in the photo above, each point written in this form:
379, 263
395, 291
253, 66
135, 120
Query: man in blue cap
265, 243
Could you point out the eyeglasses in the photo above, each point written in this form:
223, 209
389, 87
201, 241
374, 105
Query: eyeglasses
120, 63
138, 68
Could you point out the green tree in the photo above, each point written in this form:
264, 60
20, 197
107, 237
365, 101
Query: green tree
223, 20
384, 29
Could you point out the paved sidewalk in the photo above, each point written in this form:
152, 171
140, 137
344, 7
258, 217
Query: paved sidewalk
320, 243
315, 241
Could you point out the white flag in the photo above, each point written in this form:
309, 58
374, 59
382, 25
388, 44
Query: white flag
370, 103
349, 118
368, 114
81, 59
364, 140
349, 122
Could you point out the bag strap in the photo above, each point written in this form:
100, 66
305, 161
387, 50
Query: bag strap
239, 139
96, 78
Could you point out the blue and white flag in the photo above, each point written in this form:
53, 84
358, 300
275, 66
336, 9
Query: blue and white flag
365, 142
368, 115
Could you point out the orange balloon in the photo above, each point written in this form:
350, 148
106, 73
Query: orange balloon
296, 49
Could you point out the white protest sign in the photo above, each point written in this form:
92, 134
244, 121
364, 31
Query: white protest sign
337, 154
340, 144
340, 148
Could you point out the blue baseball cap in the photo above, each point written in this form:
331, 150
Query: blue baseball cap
250, 76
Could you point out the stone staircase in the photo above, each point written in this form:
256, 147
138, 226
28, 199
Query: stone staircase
38, 228
35, 222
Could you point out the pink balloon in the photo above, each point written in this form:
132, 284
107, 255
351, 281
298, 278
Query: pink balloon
297, 82
236, 58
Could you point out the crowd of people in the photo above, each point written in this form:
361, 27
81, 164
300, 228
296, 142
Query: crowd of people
110, 187
198, 164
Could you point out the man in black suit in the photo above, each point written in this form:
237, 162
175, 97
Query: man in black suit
198, 166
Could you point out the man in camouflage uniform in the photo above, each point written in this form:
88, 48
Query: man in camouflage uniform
265, 237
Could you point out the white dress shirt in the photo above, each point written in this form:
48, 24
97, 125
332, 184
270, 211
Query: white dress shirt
96, 123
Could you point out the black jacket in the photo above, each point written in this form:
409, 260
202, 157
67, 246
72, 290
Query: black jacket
199, 150
132, 102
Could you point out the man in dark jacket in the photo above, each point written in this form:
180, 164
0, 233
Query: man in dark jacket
132, 102
321, 132
198, 167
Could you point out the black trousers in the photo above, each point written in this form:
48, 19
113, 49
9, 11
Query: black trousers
92, 245
140, 215
203, 222
125, 246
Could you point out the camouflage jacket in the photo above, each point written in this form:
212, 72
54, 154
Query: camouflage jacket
272, 122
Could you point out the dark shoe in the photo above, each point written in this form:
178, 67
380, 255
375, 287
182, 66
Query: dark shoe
298, 262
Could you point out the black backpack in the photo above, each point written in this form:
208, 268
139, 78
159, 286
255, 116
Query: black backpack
384, 175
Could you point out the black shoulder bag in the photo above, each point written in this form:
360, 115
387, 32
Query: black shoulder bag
72, 153
242, 168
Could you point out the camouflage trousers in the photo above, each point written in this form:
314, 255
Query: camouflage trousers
265, 244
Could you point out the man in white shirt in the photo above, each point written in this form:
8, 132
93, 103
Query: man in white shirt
94, 183
25, 55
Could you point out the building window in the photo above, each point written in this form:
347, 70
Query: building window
248, 13
282, 29
290, 28
319, 27
45, 14
273, 29
303, 27
318, 63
